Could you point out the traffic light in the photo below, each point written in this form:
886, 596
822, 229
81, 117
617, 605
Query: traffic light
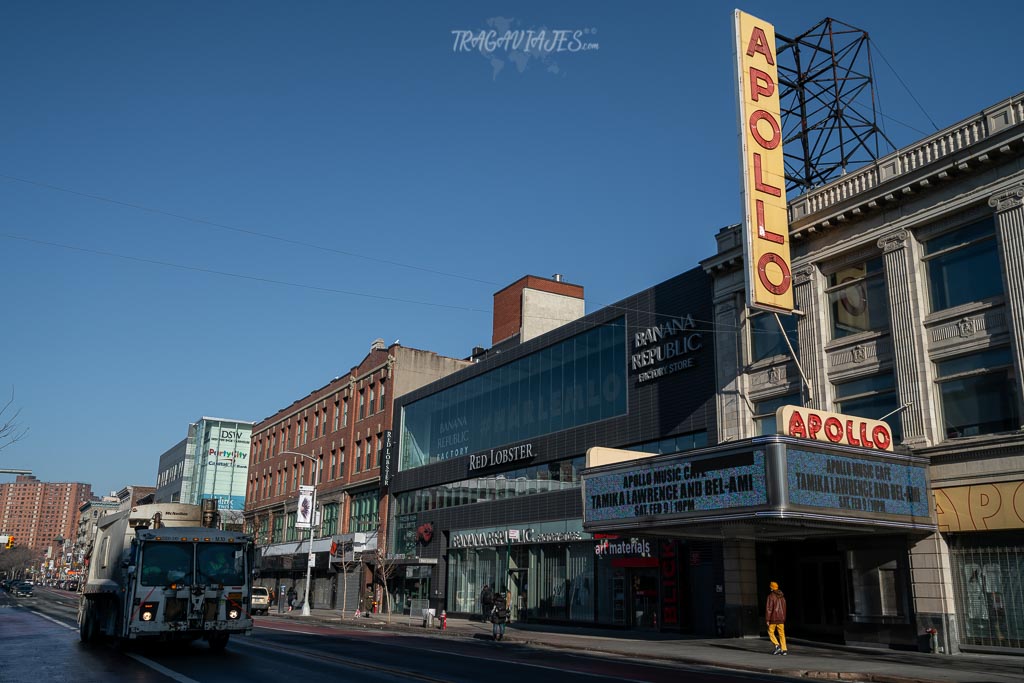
10, 542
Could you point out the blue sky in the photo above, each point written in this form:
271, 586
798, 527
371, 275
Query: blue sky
398, 184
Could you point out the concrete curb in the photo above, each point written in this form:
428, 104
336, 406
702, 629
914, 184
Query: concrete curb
520, 638
691, 661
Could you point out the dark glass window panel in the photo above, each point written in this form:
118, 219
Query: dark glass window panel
868, 268
864, 385
220, 563
859, 300
969, 233
766, 340
764, 412
167, 563
577, 381
991, 358
980, 404
966, 273
874, 407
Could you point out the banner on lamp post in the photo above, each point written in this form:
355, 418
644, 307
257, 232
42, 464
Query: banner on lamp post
304, 514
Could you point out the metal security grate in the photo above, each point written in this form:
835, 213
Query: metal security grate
989, 587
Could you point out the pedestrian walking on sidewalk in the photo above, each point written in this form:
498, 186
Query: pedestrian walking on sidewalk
499, 616
775, 617
486, 602
292, 597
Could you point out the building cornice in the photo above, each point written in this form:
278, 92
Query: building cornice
994, 136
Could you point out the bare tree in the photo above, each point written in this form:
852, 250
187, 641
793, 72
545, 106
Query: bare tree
384, 570
344, 548
19, 561
10, 431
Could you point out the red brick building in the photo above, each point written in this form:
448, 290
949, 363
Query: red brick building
36, 512
340, 428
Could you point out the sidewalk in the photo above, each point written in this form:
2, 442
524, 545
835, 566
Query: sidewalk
807, 659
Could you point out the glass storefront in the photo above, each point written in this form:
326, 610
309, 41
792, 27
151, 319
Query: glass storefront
571, 383
988, 580
551, 582
363, 511
630, 582
526, 481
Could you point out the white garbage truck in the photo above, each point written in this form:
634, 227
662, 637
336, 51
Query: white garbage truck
165, 571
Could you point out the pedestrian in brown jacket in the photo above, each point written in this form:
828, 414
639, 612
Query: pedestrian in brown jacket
775, 617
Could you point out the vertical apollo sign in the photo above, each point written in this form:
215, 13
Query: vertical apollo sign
765, 221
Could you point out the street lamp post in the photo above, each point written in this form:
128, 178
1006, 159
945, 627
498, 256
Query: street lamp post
312, 519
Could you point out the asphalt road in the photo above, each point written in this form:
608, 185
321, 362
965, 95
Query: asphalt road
40, 643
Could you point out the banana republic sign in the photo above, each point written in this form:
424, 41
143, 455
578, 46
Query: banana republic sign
665, 349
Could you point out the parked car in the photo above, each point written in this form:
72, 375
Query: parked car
259, 603
22, 590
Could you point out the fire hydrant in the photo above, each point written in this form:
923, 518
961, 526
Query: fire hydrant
444, 620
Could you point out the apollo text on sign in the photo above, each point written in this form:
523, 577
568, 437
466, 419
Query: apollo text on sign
981, 507
766, 223
820, 425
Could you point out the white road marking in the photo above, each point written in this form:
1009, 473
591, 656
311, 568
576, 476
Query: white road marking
59, 623
174, 675
139, 658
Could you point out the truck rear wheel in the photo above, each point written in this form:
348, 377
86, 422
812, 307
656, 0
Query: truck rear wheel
218, 641
88, 631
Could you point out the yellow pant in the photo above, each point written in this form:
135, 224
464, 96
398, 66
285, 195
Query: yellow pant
781, 629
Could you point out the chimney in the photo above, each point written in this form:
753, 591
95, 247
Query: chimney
377, 345
533, 305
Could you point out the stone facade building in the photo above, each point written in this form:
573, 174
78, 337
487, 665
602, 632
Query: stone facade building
909, 280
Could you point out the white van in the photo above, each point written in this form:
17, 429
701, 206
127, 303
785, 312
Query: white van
259, 603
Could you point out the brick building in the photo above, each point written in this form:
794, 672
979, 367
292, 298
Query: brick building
340, 428
37, 512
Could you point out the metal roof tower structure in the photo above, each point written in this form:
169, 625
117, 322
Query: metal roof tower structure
828, 102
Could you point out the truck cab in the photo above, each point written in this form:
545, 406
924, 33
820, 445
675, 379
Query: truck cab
156, 581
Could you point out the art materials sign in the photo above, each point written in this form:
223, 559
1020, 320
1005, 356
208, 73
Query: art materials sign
819, 425
766, 223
